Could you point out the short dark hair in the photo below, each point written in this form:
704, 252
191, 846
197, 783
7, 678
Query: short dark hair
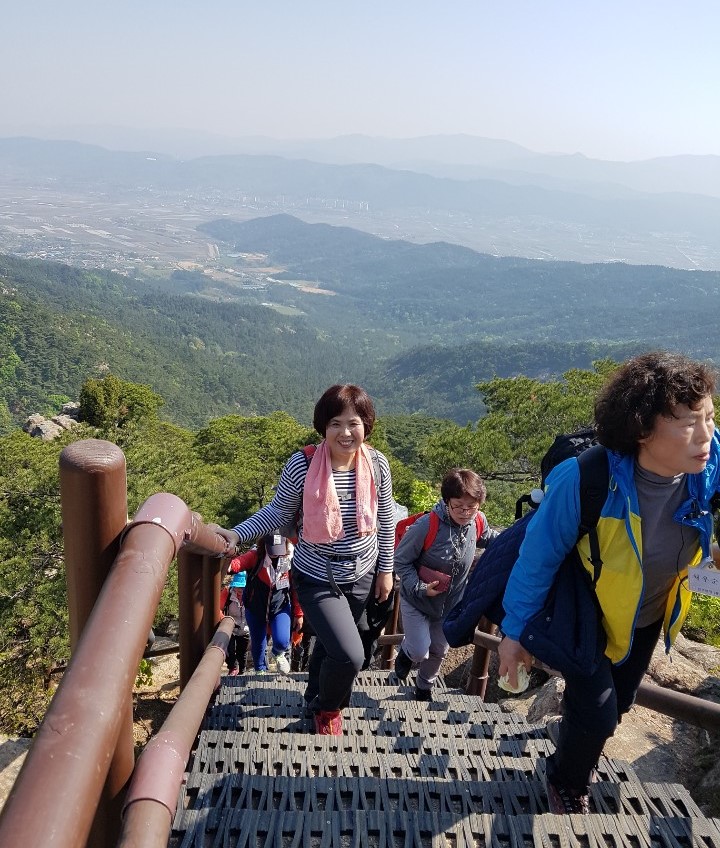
338, 398
462, 482
643, 388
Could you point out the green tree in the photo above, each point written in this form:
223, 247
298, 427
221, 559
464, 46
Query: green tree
111, 402
33, 606
248, 454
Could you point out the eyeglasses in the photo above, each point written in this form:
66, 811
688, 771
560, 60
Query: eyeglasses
464, 510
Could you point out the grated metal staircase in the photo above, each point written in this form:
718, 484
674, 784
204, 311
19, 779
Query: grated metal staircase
454, 772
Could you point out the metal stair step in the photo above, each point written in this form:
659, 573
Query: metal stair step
439, 795
459, 745
234, 826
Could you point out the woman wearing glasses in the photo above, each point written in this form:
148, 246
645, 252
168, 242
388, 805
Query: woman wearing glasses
433, 562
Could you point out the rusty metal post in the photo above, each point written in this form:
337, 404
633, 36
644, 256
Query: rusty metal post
212, 578
190, 587
388, 653
93, 494
477, 682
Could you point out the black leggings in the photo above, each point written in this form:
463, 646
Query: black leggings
593, 706
339, 653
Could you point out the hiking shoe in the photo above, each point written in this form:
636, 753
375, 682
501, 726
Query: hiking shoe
562, 802
328, 723
422, 694
283, 664
403, 664
552, 728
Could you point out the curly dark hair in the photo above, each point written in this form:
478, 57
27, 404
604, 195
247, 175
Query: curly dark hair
338, 398
462, 482
643, 388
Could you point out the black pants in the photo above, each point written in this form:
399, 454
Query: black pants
237, 651
593, 706
339, 653
372, 622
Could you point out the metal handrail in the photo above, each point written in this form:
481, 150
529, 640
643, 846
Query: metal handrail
152, 796
69, 790
699, 712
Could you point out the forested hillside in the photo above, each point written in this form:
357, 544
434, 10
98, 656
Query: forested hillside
418, 325
445, 294
60, 325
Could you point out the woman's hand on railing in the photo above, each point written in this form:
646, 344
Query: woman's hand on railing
230, 536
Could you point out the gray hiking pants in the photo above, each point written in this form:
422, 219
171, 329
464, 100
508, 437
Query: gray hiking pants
424, 643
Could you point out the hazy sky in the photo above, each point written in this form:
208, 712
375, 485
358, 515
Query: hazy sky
618, 79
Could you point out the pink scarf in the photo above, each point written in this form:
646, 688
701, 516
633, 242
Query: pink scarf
322, 521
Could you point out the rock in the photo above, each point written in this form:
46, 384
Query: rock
707, 791
72, 410
707, 656
547, 700
675, 671
12, 756
64, 421
32, 422
46, 430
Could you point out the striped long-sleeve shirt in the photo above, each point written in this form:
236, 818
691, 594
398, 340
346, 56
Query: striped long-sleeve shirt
349, 558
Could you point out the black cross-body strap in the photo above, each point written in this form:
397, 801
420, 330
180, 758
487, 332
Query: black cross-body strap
594, 483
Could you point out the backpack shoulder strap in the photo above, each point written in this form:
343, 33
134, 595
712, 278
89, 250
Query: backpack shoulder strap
309, 452
479, 526
594, 482
433, 527
377, 474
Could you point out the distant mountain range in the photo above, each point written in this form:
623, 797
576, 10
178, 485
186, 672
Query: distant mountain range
438, 318
504, 201
457, 156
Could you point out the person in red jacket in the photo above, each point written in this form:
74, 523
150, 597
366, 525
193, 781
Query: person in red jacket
269, 599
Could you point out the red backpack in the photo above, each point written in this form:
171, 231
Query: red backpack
433, 527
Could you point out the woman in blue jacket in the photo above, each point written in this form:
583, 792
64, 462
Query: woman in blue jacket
656, 419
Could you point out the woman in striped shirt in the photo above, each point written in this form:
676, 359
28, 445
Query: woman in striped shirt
345, 542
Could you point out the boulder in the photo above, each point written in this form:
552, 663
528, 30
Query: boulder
39, 427
32, 422
47, 431
72, 410
675, 670
64, 421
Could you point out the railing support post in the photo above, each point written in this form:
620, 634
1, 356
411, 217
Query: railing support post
477, 684
190, 602
388, 652
93, 495
212, 579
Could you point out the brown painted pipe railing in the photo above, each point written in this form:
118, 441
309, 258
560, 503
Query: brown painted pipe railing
69, 791
689, 708
153, 793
